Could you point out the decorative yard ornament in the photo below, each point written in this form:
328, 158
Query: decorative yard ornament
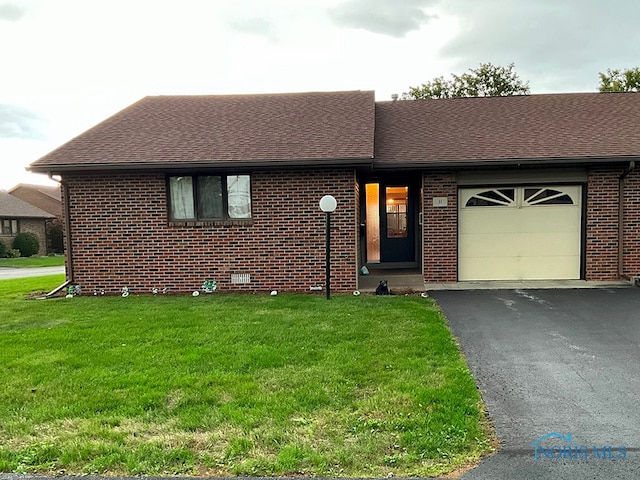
209, 286
73, 291
125, 292
382, 288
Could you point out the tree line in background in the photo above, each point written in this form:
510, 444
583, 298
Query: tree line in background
490, 80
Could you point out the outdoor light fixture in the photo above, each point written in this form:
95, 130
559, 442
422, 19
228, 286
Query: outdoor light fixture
328, 205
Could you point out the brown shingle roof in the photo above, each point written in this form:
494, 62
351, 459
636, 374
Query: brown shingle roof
13, 207
226, 130
507, 129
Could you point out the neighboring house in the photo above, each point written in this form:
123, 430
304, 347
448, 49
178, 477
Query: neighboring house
176, 190
47, 198
17, 216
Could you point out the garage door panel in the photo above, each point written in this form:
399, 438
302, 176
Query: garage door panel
549, 244
516, 245
505, 219
490, 245
519, 268
531, 238
543, 219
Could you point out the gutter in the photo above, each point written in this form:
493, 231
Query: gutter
236, 165
488, 163
621, 183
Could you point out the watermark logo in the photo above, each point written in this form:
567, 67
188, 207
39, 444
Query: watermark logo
556, 446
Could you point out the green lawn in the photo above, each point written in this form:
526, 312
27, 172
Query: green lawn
32, 262
232, 385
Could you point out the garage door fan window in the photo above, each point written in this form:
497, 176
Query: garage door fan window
546, 196
506, 197
502, 197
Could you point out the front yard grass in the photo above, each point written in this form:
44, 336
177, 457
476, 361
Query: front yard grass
232, 385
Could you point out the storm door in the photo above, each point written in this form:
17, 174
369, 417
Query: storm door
390, 219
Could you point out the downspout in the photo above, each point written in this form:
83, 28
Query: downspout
67, 228
67, 243
621, 179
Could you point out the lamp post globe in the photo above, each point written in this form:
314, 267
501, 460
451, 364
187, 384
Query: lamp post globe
328, 205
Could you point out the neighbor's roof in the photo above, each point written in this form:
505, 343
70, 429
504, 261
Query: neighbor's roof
13, 207
302, 128
535, 128
52, 191
45, 197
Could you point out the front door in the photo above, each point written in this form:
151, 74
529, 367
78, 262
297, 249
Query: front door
390, 219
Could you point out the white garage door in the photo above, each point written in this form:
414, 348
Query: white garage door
519, 233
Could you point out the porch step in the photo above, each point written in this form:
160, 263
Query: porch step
398, 282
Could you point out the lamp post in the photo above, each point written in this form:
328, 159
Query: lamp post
328, 205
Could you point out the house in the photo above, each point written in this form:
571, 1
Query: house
47, 198
175, 190
17, 216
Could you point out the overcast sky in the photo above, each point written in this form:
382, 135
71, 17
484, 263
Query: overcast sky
68, 64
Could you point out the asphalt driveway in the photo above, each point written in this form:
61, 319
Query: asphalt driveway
563, 361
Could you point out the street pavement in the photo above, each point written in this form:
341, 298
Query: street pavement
560, 364
8, 273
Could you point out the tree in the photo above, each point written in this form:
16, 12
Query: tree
627, 80
487, 80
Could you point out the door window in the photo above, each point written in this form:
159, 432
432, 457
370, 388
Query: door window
397, 202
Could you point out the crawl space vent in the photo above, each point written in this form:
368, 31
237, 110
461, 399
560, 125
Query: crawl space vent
240, 278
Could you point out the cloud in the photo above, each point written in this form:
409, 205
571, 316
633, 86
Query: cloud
11, 13
18, 122
559, 46
255, 26
393, 18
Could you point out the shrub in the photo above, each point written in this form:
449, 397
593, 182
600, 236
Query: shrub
3, 249
55, 236
27, 243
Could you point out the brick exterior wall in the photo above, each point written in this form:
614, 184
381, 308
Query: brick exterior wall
33, 225
128, 241
601, 242
37, 227
632, 224
121, 236
440, 228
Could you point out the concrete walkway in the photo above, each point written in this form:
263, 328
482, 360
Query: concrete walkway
526, 284
8, 273
402, 282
